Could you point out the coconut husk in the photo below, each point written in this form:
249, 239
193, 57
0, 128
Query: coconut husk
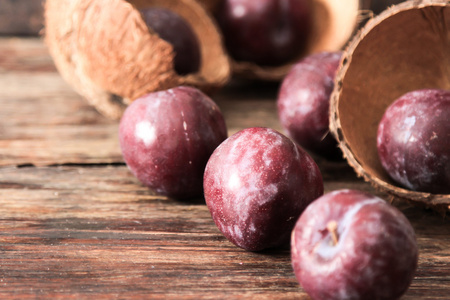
405, 48
104, 49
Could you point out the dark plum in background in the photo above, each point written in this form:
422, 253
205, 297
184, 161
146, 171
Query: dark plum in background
256, 184
265, 32
304, 101
377, 6
413, 141
167, 137
352, 245
175, 30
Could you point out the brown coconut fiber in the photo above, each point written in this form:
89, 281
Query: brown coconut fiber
405, 48
104, 49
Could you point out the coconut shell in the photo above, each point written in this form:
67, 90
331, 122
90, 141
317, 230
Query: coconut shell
405, 48
105, 50
334, 22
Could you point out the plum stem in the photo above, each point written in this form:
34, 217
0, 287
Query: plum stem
332, 228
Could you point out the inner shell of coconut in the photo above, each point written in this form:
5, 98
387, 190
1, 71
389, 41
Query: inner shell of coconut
402, 50
218, 70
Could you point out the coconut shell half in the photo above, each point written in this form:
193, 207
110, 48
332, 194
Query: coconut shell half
333, 24
405, 48
105, 50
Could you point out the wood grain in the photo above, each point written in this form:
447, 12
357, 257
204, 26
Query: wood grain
75, 224
42, 120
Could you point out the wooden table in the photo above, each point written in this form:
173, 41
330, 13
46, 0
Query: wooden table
75, 224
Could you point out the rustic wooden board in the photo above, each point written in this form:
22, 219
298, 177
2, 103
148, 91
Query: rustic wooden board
75, 224
95, 231
42, 120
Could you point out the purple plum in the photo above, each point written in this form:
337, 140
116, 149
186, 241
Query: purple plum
175, 30
350, 244
304, 102
413, 141
167, 137
265, 32
256, 184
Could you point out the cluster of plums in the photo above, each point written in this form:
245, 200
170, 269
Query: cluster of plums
265, 190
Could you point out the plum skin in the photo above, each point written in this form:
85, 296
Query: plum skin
176, 31
167, 137
256, 184
304, 100
265, 32
413, 141
375, 256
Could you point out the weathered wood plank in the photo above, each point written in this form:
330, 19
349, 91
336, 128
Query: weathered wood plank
44, 122
75, 224
26, 55
95, 231
69, 233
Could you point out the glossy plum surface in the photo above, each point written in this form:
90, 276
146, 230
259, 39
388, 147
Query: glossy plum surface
413, 141
167, 137
304, 101
352, 245
174, 29
265, 32
256, 184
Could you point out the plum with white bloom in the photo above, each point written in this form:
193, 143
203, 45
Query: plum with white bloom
350, 244
304, 102
167, 137
413, 141
256, 184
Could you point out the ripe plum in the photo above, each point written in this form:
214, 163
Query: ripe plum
304, 101
175, 30
265, 32
256, 184
167, 138
352, 245
413, 141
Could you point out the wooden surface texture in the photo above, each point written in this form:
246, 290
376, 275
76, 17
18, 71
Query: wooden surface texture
75, 224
